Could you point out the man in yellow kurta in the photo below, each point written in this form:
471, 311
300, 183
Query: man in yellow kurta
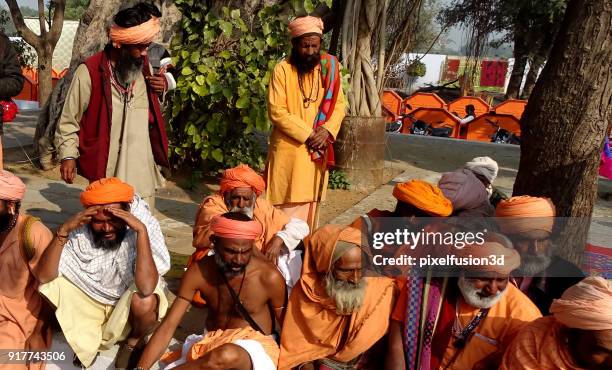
296, 98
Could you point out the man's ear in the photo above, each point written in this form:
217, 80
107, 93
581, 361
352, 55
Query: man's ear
12, 208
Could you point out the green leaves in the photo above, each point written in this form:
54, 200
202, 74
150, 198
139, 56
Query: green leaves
221, 94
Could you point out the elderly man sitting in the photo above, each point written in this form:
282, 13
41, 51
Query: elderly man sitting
240, 191
103, 272
463, 323
334, 314
24, 315
577, 336
528, 222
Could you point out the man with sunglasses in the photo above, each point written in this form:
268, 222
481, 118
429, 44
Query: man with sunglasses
542, 276
111, 123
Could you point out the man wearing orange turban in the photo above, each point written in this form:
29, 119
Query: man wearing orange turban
245, 296
25, 318
103, 273
474, 316
335, 315
577, 336
306, 107
111, 123
240, 191
529, 222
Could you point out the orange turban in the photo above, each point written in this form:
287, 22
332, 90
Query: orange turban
11, 186
525, 213
425, 196
107, 191
234, 229
586, 305
303, 25
144, 33
496, 248
242, 176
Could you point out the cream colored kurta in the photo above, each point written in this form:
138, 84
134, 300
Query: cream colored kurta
131, 160
292, 177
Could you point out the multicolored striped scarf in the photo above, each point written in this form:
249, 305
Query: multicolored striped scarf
330, 75
425, 297
605, 166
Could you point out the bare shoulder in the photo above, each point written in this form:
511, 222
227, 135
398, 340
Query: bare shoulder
269, 276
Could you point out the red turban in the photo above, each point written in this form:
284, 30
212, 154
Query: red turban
425, 196
143, 33
235, 229
11, 187
303, 25
242, 177
525, 213
511, 261
586, 305
107, 191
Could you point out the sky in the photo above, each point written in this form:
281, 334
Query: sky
31, 3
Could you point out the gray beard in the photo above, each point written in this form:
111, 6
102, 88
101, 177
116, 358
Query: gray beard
534, 264
225, 269
128, 68
347, 296
470, 294
244, 210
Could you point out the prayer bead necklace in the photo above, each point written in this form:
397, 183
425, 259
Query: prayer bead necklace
307, 100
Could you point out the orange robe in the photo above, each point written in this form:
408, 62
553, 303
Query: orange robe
272, 220
292, 177
539, 345
494, 334
312, 329
24, 316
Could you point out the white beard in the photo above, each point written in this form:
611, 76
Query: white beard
470, 294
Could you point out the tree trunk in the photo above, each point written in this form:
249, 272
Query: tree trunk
518, 70
565, 120
45, 64
532, 76
91, 36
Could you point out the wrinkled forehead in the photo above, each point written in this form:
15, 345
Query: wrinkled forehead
234, 245
103, 215
242, 192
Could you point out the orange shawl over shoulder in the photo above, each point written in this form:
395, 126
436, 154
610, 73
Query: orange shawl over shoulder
312, 329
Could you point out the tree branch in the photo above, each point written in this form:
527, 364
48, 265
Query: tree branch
27, 34
41, 18
58, 22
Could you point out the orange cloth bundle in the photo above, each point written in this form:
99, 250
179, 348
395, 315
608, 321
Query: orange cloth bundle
242, 176
217, 338
107, 191
233, 229
525, 213
144, 33
425, 196
303, 25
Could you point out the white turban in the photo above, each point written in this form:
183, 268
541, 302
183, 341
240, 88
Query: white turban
484, 166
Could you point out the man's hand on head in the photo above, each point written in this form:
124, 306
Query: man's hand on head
82, 218
68, 170
273, 248
158, 83
131, 220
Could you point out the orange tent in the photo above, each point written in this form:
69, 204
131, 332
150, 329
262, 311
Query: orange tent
514, 107
392, 102
458, 106
29, 90
436, 117
422, 100
483, 127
